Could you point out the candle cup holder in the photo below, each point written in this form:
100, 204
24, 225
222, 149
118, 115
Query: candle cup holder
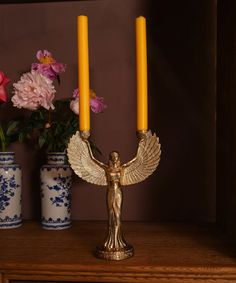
114, 175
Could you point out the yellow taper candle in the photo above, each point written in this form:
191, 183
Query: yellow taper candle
141, 67
83, 73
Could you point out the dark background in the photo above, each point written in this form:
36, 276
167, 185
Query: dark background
182, 97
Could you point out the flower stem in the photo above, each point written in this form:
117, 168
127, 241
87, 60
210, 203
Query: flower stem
2, 139
49, 116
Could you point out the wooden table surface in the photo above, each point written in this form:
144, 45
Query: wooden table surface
163, 253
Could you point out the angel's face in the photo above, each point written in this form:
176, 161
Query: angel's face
114, 157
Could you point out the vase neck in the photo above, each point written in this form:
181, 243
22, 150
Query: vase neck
7, 158
56, 158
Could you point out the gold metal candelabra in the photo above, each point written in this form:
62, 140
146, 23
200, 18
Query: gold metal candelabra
114, 175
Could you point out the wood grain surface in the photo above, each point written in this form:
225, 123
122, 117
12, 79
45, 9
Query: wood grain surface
163, 253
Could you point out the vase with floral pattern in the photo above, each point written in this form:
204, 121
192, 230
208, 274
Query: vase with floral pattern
55, 179
10, 191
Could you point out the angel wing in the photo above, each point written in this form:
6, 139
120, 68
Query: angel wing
83, 163
145, 162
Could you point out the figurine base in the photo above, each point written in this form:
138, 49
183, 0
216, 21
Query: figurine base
123, 253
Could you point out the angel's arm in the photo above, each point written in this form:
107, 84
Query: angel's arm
135, 158
101, 164
132, 161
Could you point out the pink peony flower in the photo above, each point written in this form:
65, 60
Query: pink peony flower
4, 80
96, 103
48, 66
74, 105
32, 91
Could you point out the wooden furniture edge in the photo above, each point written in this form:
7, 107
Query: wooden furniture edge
158, 274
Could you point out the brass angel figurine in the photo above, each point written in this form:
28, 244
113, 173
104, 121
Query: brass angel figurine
114, 175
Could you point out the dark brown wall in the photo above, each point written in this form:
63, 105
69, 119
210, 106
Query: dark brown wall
181, 59
226, 105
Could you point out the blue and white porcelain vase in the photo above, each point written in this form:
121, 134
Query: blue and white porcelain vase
55, 179
10, 191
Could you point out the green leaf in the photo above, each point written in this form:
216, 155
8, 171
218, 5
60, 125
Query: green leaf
41, 141
21, 137
12, 126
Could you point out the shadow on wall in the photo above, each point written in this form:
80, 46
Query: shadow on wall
182, 108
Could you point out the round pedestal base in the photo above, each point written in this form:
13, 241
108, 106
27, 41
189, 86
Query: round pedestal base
120, 254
